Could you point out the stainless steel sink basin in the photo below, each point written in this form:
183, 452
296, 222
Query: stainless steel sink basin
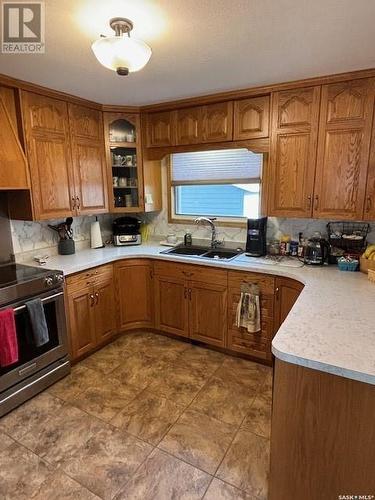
203, 252
192, 251
220, 253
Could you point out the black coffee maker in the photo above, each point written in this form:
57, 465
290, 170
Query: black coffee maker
256, 242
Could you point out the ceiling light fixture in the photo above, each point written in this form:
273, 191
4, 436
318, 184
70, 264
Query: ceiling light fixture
121, 53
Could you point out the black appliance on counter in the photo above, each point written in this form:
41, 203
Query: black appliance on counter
256, 242
37, 367
126, 231
316, 251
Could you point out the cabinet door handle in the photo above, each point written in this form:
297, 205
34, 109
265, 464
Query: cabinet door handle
189, 293
151, 274
316, 202
368, 204
92, 300
97, 298
73, 203
277, 293
188, 274
185, 293
309, 200
78, 203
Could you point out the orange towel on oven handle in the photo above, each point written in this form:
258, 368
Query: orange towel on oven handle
8, 338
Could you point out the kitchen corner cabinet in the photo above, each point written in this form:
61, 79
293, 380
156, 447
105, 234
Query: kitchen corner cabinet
91, 309
134, 292
257, 344
294, 125
286, 293
251, 118
124, 160
66, 157
343, 149
191, 301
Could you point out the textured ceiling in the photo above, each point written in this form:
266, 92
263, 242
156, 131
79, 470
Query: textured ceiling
199, 46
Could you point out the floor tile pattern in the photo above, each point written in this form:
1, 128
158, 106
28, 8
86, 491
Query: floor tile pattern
146, 417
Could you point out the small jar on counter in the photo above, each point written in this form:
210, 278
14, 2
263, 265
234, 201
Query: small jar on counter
274, 247
294, 248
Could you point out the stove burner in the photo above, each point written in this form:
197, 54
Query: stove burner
18, 281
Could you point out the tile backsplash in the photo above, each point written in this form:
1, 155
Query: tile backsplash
31, 238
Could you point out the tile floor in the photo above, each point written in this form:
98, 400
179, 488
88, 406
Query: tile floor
147, 418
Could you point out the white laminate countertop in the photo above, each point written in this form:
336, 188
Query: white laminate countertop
330, 328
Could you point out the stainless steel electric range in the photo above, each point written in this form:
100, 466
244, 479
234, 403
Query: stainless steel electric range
37, 367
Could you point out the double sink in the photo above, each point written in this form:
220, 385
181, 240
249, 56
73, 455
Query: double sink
203, 252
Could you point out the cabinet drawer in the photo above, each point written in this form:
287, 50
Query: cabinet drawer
90, 277
191, 272
266, 283
249, 343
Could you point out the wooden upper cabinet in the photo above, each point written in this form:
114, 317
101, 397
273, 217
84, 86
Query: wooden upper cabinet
189, 126
86, 123
343, 149
14, 173
90, 175
48, 146
295, 115
369, 211
251, 118
160, 129
218, 122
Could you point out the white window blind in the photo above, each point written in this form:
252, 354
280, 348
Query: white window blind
225, 166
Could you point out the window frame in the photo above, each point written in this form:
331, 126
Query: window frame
240, 222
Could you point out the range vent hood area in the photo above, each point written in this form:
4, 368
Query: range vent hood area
13, 162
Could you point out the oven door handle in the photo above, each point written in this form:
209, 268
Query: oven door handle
50, 297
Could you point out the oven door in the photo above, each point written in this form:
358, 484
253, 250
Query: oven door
32, 358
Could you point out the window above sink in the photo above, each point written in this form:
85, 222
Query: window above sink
224, 184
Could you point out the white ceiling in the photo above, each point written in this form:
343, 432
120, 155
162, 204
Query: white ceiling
199, 46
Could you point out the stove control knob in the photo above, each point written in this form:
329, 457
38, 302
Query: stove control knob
59, 278
48, 281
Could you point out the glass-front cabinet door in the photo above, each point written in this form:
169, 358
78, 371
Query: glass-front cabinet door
124, 158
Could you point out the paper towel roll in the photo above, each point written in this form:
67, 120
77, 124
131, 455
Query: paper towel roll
96, 235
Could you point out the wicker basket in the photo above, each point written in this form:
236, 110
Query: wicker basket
371, 275
366, 264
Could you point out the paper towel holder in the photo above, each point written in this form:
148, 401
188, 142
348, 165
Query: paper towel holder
96, 235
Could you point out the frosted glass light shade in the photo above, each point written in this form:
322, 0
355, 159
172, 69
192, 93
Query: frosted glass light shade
122, 52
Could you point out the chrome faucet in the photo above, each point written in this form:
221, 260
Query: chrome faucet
205, 220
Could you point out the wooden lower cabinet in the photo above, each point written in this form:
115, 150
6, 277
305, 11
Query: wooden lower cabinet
287, 292
171, 305
239, 339
208, 312
190, 301
81, 321
104, 311
323, 434
134, 287
91, 309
